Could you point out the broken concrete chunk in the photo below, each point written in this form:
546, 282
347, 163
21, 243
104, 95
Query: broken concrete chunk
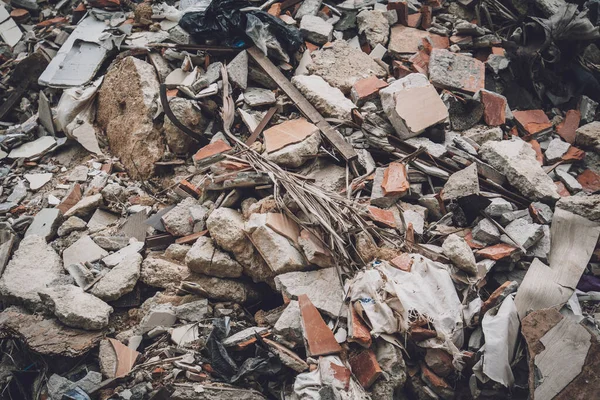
82, 251
459, 252
405, 41
556, 150
288, 132
36, 181
45, 223
330, 101
127, 103
120, 280
85, 206
206, 259
586, 206
525, 233
486, 232
194, 311
256, 97
461, 184
162, 273
179, 221
33, 266
289, 324
161, 315
316, 30
237, 70
375, 26
588, 135
517, 161
75, 308
34, 148
342, 65
222, 289
498, 206
481, 134
100, 220
116, 258
189, 115
321, 286
455, 71
568, 180
308, 7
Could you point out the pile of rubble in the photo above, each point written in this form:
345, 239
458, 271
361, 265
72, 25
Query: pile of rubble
299, 199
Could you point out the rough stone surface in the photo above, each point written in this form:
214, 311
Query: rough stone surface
481, 134
179, 221
127, 102
277, 251
588, 135
556, 149
120, 280
237, 70
329, 176
524, 232
107, 358
206, 259
71, 225
222, 289
498, 206
517, 160
116, 258
194, 311
289, 324
45, 223
316, 30
226, 228
342, 65
459, 252
485, 231
322, 288
177, 252
34, 265
83, 250
256, 97
375, 26
455, 71
294, 155
75, 308
461, 184
308, 7
569, 181
586, 206
85, 206
162, 273
187, 112
330, 101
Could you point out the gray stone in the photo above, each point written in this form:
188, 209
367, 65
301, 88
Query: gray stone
289, 324
510, 216
569, 181
486, 232
178, 35
162, 315
542, 248
243, 336
586, 206
314, 251
454, 71
78, 174
212, 74
71, 225
550, 7
179, 221
435, 149
33, 148
36, 181
206, 259
498, 206
107, 358
113, 192
18, 193
544, 212
556, 149
45, 223
82, 251
588, 135
75, 308
587, 108
459, 252
330, 101
111, 243
329, 176
177, 252
375, 26
294, 155
276, 249
322, 288
100, 220
517, 161
85, 206
189, 115
34, 265
58, 386
162, 273
237, 70
222, 289
308, 7
524, 232
256, 97
116, 258
120, 280
81, 274
481, 134
194, 311
342, 65
316, 30
461, 184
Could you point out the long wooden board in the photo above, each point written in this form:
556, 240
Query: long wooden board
334, 137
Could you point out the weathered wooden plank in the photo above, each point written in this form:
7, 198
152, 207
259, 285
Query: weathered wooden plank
334, 137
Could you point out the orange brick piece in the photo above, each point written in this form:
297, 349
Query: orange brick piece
365, 367
212, 149
497, 251
532, 121
384, 217
366, 89
317, 335
395, 180
494, 108
567, 129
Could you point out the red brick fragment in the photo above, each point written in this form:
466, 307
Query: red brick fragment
497, 251
275, 10
426, 17
418, 333
492, 301
420, 62
498, 51
317, 335
539, 156
532, 121
189, 239
562, 189
589, 180
403, 262
365, 367
567, 129
437, 384
212, 149
384, 217
53, 21
70, 199
414, 20
400, 70
494, 108
573, 154
401, 8
359, 332
471, 242
439, 361
20, 15
395, 180
367, 88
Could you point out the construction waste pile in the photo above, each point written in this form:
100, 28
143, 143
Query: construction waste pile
298, 199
